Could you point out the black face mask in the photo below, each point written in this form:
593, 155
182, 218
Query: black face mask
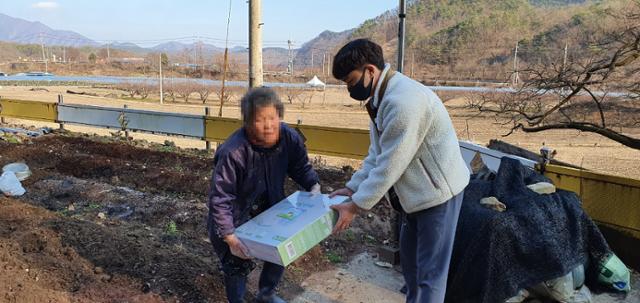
359, 91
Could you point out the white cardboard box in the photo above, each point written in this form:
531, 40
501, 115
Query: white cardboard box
287, 230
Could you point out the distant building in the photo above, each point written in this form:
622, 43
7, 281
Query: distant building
187, 65
131, 60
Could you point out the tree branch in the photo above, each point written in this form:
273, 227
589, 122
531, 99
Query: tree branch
587, 127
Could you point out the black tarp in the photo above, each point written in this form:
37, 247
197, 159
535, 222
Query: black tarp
538, 238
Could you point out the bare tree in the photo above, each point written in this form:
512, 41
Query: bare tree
234, 93
203, 92
144, 89
170, 91
291, 93
185, 89
217, 90
133, 89
597, 90
129, 87
306, 96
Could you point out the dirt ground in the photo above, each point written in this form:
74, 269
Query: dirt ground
130, 222
39, 266
335, 108
108, 221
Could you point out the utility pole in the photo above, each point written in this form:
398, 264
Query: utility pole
564, 61
202, 61
255, 43
44, 57
161, 93
225, 63
108, 51
64, 54
324, 55
195, 57
289, 42
402, 14
324, 89
516, 77
312, 50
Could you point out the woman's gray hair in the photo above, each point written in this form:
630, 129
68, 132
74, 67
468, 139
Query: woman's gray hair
258, 98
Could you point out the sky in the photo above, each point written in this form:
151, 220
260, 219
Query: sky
150, 22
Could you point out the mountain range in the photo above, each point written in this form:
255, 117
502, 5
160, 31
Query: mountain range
20, 31
27, 32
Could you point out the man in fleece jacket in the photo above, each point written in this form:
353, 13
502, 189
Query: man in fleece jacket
414, 160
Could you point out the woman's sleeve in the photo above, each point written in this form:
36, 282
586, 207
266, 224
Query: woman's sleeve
223, 194
300, 170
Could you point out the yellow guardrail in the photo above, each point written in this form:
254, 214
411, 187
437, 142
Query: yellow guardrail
609, 200
218, 129
29, 110
331, 141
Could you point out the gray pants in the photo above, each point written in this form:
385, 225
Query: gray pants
426, 243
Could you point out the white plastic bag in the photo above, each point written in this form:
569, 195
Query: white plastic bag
578, 276
522, 296
559, 289
562, 289
10, 185
582, 295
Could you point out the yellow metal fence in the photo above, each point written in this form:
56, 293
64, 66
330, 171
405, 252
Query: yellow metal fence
610, 200
29, 110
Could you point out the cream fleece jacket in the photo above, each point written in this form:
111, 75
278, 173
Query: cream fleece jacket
414, 149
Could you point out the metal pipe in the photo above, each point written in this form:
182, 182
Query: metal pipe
402, 13
60, 102
207, 113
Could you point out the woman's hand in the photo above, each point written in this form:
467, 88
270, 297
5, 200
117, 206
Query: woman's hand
316, 189
341, 192
237, 248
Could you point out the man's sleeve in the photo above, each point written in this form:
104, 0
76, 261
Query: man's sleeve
223, 194
404, 128
299, 169
368, 163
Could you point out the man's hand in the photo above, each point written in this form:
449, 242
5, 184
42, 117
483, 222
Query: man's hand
341, 192
346, 212
237, 248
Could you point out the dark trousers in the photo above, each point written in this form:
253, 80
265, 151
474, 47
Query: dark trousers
237, 269
426, 243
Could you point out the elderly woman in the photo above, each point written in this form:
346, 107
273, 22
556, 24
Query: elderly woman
248, 178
